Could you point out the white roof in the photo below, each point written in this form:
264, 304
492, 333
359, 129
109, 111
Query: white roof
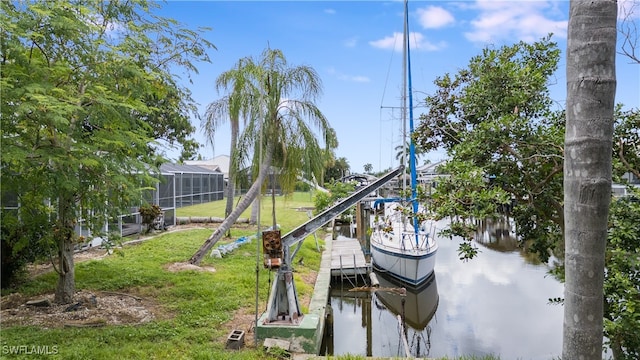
219, 163
429, 168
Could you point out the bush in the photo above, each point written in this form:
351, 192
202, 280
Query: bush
337, 191
21, 244
302, 187
149, 215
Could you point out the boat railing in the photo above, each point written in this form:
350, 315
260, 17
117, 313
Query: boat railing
408, 241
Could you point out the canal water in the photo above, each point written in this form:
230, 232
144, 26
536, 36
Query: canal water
497, 303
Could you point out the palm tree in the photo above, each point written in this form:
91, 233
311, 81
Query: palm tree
281, 117
230, 107
368, 168
591, 86
215, 115
403, 151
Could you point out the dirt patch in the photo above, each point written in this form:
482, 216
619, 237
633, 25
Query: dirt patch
244, 318
180, 266
96, 253
88, 309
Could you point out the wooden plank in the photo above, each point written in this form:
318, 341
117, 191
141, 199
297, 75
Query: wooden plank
347, 257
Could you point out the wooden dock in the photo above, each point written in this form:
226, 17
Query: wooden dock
347, 258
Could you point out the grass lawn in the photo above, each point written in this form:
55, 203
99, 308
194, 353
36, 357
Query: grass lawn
287, 215
196, 307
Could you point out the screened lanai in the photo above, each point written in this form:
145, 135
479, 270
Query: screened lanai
179, 185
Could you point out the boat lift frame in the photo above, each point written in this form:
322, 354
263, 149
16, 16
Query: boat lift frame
283, 306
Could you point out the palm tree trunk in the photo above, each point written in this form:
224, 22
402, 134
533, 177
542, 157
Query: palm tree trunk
250, 196
254, 212
591, 86
231, 184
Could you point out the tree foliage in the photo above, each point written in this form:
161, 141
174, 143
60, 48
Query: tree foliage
626, 143
494, 120
285, 129
622, 279
337, 191
336, 169
89, 97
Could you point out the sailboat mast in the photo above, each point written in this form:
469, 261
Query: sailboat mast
412, 148
405, 52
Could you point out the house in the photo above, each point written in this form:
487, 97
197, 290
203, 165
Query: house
429, 173
219, 163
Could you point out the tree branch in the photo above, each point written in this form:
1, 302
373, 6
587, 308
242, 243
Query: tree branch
636, 172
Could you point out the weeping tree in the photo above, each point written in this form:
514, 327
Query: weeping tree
284, 129
87, 94
591, 89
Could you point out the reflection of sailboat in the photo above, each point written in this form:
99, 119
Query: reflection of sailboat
401, 243
420, 304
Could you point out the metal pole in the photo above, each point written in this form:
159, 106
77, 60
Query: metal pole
258, 241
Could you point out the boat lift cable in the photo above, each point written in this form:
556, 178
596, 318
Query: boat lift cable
386, 79
382, 99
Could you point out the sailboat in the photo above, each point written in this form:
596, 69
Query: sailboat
402, 243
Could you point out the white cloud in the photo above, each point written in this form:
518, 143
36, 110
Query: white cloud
434, 17
329, 11
346, 77
524, 20
354, 78
417, 42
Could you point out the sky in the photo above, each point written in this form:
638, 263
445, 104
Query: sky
355, 48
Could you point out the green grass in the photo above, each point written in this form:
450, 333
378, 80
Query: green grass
195, 305
360, 357
198, 303
285, 205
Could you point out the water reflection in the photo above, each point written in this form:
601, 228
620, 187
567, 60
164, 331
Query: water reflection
497, 234
494, 304
414, 307
500, 235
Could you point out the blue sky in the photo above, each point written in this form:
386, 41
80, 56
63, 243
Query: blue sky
351, 46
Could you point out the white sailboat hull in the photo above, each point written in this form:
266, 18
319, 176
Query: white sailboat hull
412, 267
401, 252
